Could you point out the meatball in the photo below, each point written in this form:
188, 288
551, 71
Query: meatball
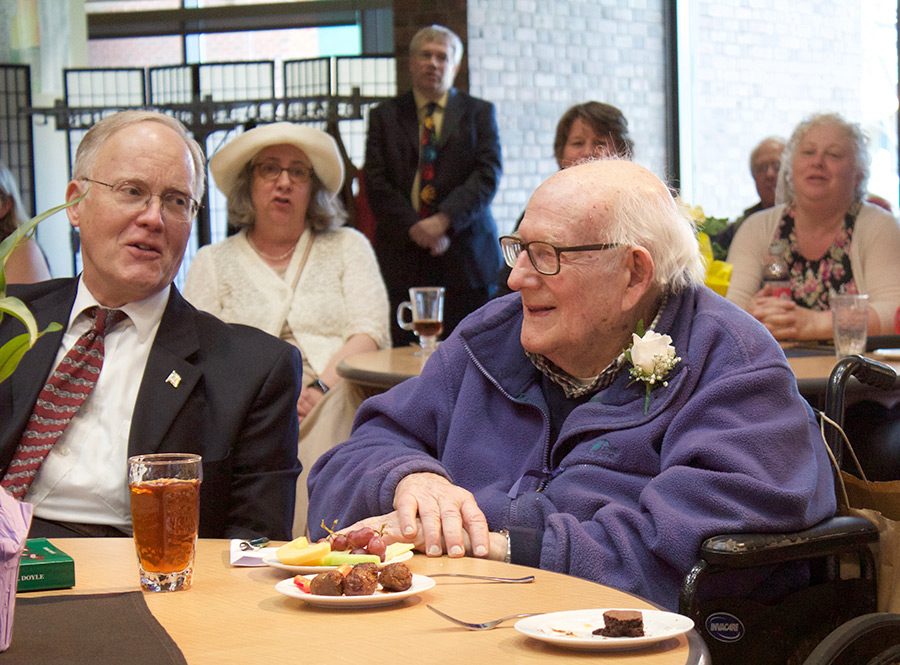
330, 583
395, 577
362, 580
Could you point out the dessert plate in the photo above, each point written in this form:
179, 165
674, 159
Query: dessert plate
271, 559
420, 583
573, 629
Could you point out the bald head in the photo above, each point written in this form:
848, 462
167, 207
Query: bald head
618, 201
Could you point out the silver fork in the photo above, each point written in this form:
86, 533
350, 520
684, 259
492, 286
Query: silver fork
487, 625
487, 578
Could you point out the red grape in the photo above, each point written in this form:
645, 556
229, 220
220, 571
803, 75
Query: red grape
358, 550
359, 538
376, 546
339, 543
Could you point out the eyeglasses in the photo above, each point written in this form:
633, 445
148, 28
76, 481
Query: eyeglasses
273, 171
543, 256
134, 197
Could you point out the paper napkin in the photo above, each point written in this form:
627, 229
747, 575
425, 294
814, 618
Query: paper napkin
241, 557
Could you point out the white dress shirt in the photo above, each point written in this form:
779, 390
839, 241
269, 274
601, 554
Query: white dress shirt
84, 478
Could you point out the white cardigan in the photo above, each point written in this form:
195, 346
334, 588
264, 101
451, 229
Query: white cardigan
874, 257
340, 292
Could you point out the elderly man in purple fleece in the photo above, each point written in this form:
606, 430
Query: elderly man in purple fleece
527, 437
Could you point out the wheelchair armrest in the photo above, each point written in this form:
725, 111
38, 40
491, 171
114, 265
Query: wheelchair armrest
834, 535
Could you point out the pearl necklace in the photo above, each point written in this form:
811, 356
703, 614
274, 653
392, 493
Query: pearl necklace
269, 257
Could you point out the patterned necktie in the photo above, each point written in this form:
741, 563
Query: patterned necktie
427, 158
65, 391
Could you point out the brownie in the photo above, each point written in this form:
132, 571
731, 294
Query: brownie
622, 623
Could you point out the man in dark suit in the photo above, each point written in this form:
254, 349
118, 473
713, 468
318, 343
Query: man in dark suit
173, 379
445, 236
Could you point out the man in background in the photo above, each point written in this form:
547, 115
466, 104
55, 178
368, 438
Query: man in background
135, 368
432, 169
765, 162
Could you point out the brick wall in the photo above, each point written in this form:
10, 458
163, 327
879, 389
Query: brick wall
535, 59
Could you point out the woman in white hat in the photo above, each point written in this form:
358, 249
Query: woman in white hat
294, 271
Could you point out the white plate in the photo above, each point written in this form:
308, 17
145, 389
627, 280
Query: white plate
420, 583
887, 354
271, 559
573, 629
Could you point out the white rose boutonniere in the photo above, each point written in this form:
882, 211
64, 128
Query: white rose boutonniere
652, 357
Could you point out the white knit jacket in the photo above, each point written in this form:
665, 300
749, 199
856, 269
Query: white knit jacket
340, 292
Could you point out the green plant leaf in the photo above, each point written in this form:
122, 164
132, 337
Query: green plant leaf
18, 309
27, 229
11, 353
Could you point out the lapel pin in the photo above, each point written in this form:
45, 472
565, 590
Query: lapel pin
174, 379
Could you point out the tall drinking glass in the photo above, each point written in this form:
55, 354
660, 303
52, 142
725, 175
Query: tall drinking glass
426, 303
850, 316
165, 514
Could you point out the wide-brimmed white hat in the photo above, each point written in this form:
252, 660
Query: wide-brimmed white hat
318, 146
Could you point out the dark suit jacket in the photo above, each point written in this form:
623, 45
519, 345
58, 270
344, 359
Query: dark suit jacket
235, 406
467, 172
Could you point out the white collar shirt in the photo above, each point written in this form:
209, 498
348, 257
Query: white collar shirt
83, 479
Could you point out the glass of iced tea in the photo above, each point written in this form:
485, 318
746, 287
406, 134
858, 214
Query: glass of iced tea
165, 514
426, 303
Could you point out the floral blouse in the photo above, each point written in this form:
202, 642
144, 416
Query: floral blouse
814, 280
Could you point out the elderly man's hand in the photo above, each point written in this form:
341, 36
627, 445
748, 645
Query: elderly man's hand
432, 511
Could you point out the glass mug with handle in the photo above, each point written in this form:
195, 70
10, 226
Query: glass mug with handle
426, 304
165, 516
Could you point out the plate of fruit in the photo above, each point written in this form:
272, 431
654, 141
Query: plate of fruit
363, 545
357, 586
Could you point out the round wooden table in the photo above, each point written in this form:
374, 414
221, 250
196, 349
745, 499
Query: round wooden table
384, 368
234, 615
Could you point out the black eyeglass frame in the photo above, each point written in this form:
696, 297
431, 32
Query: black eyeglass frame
195, 204
511, 259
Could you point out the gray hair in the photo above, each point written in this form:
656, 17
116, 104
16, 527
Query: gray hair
9, 189
777, 140
97, 135
324, 212
438, 33
859, 143
650, 217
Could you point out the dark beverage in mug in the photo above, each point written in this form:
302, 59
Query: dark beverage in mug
165, 516
428, 327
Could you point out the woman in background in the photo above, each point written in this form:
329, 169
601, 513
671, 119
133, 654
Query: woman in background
27, 263
294, 271
591, 129
830, 238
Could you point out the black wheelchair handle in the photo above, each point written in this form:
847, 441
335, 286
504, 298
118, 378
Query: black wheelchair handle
868, 371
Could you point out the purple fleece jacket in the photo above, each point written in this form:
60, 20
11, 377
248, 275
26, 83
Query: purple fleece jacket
622, 497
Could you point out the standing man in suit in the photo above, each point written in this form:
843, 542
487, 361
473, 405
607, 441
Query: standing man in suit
431, 194
173, 379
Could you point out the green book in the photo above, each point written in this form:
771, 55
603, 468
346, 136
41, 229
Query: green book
44, 566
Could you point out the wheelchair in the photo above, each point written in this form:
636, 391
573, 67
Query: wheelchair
739, 630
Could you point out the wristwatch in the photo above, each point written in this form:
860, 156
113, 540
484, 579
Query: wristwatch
318, 383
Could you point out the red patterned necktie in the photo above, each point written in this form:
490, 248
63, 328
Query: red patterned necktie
65, 391
427, 158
